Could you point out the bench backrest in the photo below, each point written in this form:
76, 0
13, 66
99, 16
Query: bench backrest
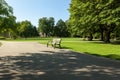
56, 40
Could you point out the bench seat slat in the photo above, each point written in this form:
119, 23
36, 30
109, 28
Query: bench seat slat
54, 42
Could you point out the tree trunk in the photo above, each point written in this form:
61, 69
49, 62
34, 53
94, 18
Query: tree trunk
102, 36
107, 37
102, 32
5, 34
90, 37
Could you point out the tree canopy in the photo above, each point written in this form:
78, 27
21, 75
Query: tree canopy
46, 25
26, 29
7, 19
61, 30
91, 15
5, 9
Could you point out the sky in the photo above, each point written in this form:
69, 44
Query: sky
33, 10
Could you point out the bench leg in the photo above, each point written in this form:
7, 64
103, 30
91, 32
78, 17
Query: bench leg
47, 44
54, 46
59, 46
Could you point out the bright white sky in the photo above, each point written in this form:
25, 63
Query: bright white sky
33, 10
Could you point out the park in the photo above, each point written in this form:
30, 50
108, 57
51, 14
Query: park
88, 44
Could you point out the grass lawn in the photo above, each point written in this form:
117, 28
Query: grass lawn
90, 47
97, 48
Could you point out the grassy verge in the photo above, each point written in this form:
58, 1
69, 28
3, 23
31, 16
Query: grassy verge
29, 39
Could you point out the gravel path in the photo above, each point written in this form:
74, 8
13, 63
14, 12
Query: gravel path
34, 61
16, 48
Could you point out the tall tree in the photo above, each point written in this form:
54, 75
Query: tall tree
7, 20
46, 26
91, 14
43, 26
26, 29
51, 22
5, 9
8, 28
60, 29
69, 30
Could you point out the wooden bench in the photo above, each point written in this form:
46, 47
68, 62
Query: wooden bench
54, 42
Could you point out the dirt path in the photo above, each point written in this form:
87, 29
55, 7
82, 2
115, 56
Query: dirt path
16, 48
34, 61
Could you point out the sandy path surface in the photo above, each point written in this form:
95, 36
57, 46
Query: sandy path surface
34, 61
16, 48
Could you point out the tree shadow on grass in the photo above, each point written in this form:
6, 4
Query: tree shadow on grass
111, 56
63, 65
64, 47
116, 42
102, 42
98, 42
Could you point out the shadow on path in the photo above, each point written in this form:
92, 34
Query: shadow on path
58, 66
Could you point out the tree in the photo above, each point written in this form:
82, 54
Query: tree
110, 18
34, 31
80, 18
89, 15
51, 22
7, 20
5, 9
69, 30
46, 26
8, 28
43, 26
60, 29
26, 29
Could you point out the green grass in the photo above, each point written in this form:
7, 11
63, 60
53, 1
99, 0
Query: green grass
97, 48
29, 39
2, 38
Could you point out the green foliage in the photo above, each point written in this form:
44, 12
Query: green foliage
5, 9
7, 20
89, 15
46, 26
8, 24
69, 30
26, 29
51, 24
60, 30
